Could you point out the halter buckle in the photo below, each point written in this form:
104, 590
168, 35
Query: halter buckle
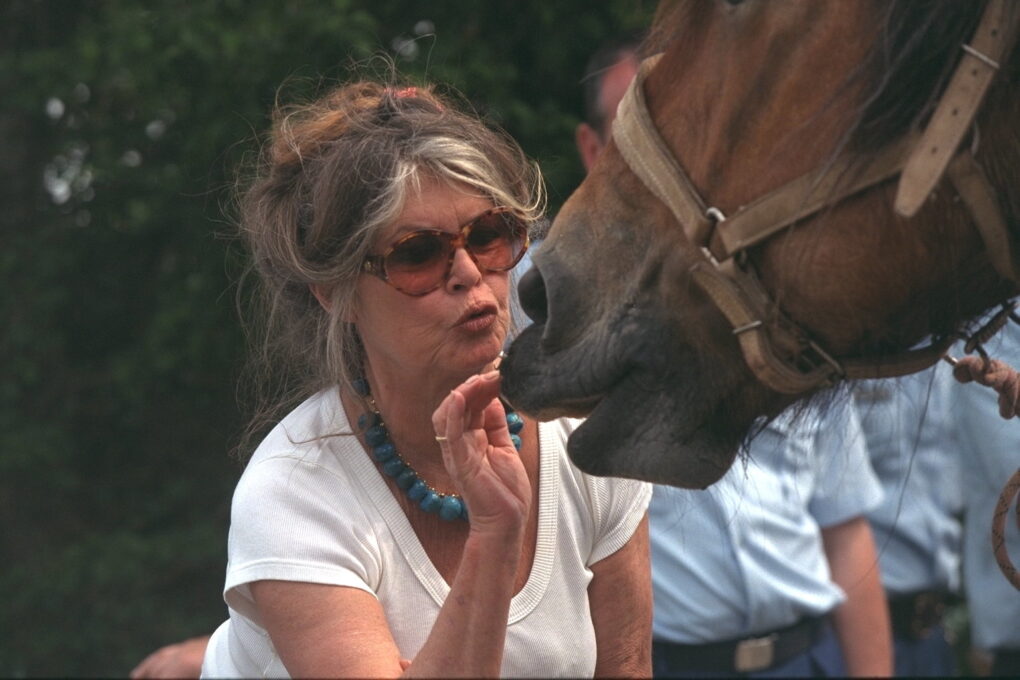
748, 327
980, 56
709, 256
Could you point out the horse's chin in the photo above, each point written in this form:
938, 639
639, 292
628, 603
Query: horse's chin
644, 421
653, 443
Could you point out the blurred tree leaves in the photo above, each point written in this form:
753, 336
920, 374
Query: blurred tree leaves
123, 124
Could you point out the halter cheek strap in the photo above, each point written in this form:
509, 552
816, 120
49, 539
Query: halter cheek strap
779, 352
958, 106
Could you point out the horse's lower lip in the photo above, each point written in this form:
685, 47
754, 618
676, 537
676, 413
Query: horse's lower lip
582, 407
649, 444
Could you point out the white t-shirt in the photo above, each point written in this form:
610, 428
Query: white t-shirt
315, 508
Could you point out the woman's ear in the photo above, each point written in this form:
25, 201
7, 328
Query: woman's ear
321, 294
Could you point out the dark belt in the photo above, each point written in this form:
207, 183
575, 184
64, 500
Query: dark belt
1006, 662
916, 615
746, 655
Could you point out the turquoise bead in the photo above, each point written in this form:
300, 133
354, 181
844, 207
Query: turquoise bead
376, 435
360, 386
367, 420
406, 478
514, 422
393, 467
417, 490
450, 508
384, 452
430, 502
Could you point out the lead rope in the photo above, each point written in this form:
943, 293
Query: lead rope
999, 529
1006, 381
990, 372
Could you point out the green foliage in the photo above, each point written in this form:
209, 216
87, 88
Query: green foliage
123, 126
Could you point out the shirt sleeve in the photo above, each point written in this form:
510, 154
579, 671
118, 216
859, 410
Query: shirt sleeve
618, 506
295, 520
846, 483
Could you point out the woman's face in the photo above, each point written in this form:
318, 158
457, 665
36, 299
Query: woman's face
452, 331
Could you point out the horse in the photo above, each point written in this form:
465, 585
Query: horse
797, 194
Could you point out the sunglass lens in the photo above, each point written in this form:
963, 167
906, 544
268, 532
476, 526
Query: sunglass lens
497, 241
418, 263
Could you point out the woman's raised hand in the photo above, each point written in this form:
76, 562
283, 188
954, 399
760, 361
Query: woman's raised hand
481, 457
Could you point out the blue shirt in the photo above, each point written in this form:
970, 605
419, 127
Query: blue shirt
990, 447
914, 451
745, 556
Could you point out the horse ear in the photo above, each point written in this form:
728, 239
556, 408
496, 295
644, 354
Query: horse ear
589, 144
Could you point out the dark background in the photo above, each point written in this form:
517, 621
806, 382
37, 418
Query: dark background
122, 124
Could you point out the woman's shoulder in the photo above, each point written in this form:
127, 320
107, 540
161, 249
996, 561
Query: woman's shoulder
311, 431
312, 446
299, 472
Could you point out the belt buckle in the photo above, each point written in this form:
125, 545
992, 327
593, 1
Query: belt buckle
755, 654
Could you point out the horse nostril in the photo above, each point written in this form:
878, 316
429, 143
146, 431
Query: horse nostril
531, 290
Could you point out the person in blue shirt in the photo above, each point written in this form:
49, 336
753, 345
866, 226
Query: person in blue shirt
914, 451
771, 572
990, 450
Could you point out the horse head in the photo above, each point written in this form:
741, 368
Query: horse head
751, 98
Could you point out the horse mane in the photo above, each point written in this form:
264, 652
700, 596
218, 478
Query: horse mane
916, 47
910, 63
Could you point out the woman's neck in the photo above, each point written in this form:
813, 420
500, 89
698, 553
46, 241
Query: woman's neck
406, 403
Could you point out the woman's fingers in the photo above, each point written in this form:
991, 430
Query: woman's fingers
478, 453
486, 412
448, 422
448, 419
479, 391
470, 420
465, 407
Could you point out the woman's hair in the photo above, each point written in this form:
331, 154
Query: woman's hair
333, 173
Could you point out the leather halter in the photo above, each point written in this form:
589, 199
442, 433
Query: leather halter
779, 352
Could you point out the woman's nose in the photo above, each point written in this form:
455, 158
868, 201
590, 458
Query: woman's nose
464, 271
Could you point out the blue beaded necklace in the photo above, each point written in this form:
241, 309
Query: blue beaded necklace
448, 506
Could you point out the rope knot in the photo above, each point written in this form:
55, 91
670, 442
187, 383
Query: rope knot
995, 374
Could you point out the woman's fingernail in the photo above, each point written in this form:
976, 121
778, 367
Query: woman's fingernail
491, 375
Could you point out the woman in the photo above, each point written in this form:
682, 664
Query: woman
389, 524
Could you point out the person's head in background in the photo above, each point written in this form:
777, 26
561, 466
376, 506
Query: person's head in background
606, 78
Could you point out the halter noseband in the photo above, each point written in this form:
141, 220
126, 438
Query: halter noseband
779, 352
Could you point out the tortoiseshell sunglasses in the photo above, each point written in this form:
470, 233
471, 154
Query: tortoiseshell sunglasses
420, 262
